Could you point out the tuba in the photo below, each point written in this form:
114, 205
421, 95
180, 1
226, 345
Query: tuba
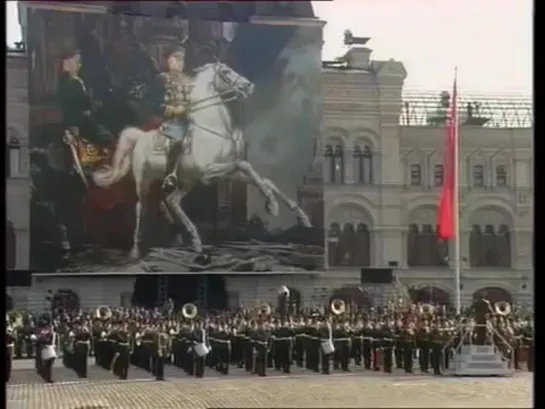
337, 306
265, 309
284, 291
103, 312
426, 308
502, 308
190, 311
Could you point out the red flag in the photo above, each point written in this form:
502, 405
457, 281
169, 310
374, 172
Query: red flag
446, 216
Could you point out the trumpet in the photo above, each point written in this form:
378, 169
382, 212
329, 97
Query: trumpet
103, 312
502, 308
337, 306
190, 311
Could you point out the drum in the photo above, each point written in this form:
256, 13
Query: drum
202, 349
328, 347
48, 352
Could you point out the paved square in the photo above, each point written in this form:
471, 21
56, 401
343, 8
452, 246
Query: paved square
301, 391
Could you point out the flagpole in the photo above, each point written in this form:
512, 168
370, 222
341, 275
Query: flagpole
456, 199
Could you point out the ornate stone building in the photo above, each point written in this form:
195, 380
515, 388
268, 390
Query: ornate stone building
383, 171
18, 182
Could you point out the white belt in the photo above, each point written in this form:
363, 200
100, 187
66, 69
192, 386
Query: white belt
283, 339
82, 342
11, 345
341, 339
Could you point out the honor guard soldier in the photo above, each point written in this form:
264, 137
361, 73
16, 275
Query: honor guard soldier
201, 348
261, 348
47, 348
325, 333
387, 346
299, 344
528, 341
283, 347
120, 362
313, 348
398, 345
423, 344
407, 346
342, 343
368, 331
10, 345
67, 345
436, 349
81, 347
221, 348
249, 336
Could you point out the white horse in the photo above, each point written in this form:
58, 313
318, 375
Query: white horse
212, 150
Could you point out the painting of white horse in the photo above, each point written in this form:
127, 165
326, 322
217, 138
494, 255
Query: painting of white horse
212, 151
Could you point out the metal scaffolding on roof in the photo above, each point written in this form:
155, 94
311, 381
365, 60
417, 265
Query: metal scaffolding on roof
486, 110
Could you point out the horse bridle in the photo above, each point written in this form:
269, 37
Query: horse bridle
218, 74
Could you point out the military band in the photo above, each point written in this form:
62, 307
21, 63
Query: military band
261, 341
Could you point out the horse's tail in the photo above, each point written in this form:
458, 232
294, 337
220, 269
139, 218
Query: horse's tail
121, 163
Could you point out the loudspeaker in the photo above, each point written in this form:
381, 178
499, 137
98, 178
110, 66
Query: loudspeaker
376, 276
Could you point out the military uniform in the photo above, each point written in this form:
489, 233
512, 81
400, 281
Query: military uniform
423, 344
10, 343
407, 346
387, 345
282, 342
120, 364
324, 334
261, 344
171, 99
436, 345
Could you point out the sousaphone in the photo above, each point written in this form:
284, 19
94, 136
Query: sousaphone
502, 308
284, 291
265, 309
337, 306
190, 311
103, 312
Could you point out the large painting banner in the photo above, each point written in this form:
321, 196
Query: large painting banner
173, 145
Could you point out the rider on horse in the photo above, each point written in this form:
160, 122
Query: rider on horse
174, 91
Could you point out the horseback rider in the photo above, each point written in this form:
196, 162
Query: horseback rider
174, 88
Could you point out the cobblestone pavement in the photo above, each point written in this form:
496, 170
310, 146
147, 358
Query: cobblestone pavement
369, 389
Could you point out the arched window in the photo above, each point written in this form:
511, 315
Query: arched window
330, 164
475, 246
416, 175
347, 245
362, 256
494, 294
413, 234
338, 175
428, 246
363, 165
333, 240
503, 240
13, 160
438, 175
478, 176
501, 175
490, 249
431, 295
11, 246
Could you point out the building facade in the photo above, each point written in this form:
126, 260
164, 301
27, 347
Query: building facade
378, 171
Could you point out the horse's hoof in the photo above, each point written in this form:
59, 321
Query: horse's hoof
271, 206
179, 240
305, 221
197, 246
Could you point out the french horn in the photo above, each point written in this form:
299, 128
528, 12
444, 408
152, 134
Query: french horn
337, 306
103, 312
502, 308
284, 291
426, 308
190, 311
